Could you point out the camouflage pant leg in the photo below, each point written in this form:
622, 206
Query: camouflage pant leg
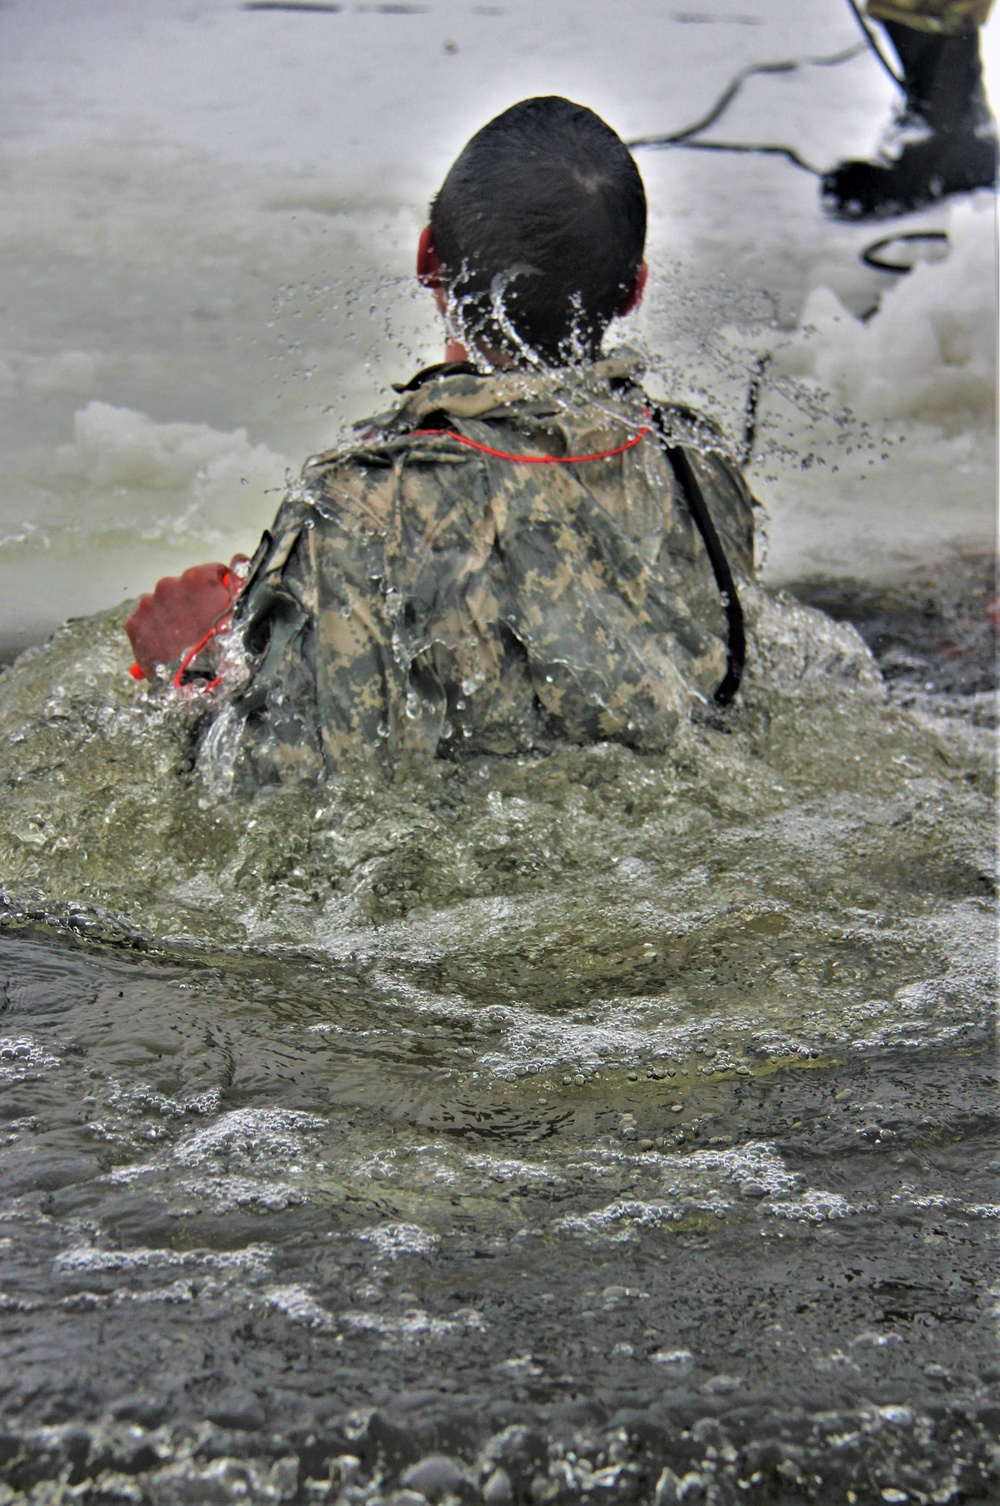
942, 16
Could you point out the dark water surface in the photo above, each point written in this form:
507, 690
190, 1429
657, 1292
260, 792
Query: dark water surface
621, 1129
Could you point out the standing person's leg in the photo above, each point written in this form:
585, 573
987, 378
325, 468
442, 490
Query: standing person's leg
945, 141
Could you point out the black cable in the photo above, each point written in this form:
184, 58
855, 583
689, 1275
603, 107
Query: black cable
736, 646
725, 99
870, 255
684, 137
869, 36
764, 150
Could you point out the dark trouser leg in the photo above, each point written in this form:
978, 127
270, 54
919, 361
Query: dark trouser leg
943, 75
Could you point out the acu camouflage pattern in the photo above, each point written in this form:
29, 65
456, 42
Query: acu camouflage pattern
943, 16
420, 598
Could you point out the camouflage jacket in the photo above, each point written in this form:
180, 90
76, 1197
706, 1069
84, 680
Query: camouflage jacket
421, 594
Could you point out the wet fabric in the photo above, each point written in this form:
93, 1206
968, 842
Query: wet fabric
420, 597
945, 16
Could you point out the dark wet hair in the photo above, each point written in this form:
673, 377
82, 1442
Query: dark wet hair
539, 228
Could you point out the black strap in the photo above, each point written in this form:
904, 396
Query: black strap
432, 373
736, 647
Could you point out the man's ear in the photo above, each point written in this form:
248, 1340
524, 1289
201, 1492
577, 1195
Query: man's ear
428, 266
633, 297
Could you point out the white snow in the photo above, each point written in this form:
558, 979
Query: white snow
929, 354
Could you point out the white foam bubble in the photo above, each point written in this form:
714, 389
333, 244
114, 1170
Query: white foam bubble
22, 1054
415, 1324
696, 1183
617, 1221
755, 1164
250, 1136
228, 1192
299, 1305
681, 1358
393, 1240
253, 1259
813, 1207
507, 1169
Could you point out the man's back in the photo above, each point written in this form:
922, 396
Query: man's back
504, 560
460, 582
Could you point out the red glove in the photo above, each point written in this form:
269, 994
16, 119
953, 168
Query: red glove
178, 614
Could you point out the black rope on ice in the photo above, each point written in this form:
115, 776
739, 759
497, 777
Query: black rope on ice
788, 152
729, 93
870, 255
685, 137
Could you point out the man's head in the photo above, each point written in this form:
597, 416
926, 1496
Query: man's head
537, 232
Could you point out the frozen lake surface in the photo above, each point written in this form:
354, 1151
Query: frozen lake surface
622, 1128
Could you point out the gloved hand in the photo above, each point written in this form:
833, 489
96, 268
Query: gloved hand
180, 612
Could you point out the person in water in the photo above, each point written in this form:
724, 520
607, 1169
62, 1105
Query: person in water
524, 549
944, 141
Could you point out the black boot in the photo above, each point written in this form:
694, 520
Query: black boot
952, 145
